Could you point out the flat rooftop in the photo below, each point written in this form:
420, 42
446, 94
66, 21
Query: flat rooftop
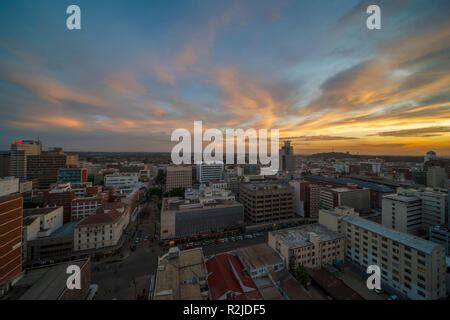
403, 238
258, 255
178, 275
44, 283
299, 236
38, 211
177, 204
256, 186
402, 198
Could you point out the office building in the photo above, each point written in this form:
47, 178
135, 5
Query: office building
311, 245
73, 175
267, 202
20, 150
287, 158
310, 197
344, 196
440, 234
209, 172
402, 213
437, 177
5, 161
414, 211
11, 217
81, 207
181, 275
44, 168
178, 177
124, 182
186, 218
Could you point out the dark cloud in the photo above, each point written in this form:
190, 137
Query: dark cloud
420, 132
319, 138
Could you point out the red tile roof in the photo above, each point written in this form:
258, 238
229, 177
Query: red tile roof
228, 280
100, 218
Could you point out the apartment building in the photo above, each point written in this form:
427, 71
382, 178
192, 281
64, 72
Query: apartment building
310, 246
178, 177
413, 266
267, 202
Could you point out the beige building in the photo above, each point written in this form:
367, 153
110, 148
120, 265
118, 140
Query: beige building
415, 211
181, 275
310, 245
330, 217
410, 265
103, 229
178, 177
437, 177
267, 202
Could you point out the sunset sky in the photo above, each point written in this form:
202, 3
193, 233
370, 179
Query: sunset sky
140, 69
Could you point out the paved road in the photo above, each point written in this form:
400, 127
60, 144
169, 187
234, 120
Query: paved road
118, 280
126, 279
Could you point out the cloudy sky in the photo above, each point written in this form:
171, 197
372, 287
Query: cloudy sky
140, 69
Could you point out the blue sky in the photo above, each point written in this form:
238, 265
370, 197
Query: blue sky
139, 69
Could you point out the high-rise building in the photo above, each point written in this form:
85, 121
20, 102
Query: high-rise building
436, 177
209, 171
44, 168
178, 177
310, 197
267, 202
20, 151
287, 157
430, 155
5, 161
11, 217
415, 211
402, 213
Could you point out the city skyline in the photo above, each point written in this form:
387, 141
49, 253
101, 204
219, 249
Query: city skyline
133, 74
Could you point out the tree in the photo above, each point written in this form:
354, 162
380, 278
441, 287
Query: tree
301, 275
